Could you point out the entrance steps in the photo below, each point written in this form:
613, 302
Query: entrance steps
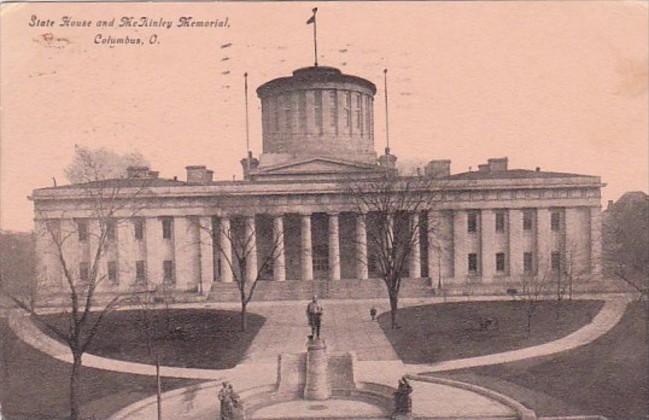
324, 289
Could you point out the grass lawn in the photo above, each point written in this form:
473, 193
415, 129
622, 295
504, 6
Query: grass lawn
433, 333
608, 377
35, 386
193, 338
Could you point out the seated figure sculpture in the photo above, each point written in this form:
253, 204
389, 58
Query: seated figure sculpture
402, 399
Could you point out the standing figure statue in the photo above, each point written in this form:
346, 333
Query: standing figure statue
231, 405
314, 315
402, 399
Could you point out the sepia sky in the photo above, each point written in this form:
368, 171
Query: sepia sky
560, 85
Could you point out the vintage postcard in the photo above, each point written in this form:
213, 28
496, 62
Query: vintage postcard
324, 210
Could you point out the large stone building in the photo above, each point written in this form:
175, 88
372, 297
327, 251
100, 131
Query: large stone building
494, 225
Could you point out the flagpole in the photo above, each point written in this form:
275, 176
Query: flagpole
315, 37
387, 127
245, 89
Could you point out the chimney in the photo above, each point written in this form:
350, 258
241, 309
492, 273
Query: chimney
137, 172
438, 168
198, 174
483, 167
538, 169
497, 164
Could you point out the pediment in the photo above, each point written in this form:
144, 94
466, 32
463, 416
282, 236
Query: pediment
316, 166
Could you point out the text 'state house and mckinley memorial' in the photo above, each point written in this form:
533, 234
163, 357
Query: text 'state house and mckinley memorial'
494, 225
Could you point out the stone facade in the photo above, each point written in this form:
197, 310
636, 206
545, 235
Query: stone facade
486, 227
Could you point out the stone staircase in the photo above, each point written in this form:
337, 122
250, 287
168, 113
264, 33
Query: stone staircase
324, 289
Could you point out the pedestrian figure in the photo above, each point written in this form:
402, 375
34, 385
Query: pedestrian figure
314, 315
373, 313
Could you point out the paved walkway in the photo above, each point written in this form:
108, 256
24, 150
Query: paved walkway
346, 328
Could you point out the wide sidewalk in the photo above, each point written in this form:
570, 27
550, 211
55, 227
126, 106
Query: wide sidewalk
346, 327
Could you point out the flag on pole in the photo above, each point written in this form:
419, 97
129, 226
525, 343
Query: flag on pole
312, 18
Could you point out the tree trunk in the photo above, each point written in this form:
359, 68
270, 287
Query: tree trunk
646, 337
529, 322
74, 385
158, 386
244, 317
394, 303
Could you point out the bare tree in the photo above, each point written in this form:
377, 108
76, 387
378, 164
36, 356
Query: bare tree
105, 203
236, 242
533, 287
395, 205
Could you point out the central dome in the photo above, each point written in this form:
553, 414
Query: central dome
318, 111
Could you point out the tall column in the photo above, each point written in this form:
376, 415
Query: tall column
516, 248
225, 248
279, 262
251, 254
126, 253
415, 252
543, 241
434, 246
334, 247
596, 241
361, 247
307, 253
154, 251
186, 252
206, 255
460, 244
487, 244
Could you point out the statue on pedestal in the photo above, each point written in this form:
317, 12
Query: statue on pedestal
314, 315
231, 405
402, 399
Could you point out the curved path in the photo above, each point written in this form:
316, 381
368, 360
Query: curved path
345, 335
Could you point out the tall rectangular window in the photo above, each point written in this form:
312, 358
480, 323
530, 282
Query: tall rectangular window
527, 219
138, 226
367, 115
318, 110
555, 261
112, 272
333, 109
167, 226
168, 271
527, 262
288, 112
555, 220
84, 272
348, 111
472, 222
82, 229
473, 263
301, 110
110, 230
265, 115
276, 113
359, 113
140, 271
500, 221
500, 262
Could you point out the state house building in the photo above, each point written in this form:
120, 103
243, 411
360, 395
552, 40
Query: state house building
494, 224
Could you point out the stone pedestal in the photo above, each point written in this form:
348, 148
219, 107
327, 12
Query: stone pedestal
316, 386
